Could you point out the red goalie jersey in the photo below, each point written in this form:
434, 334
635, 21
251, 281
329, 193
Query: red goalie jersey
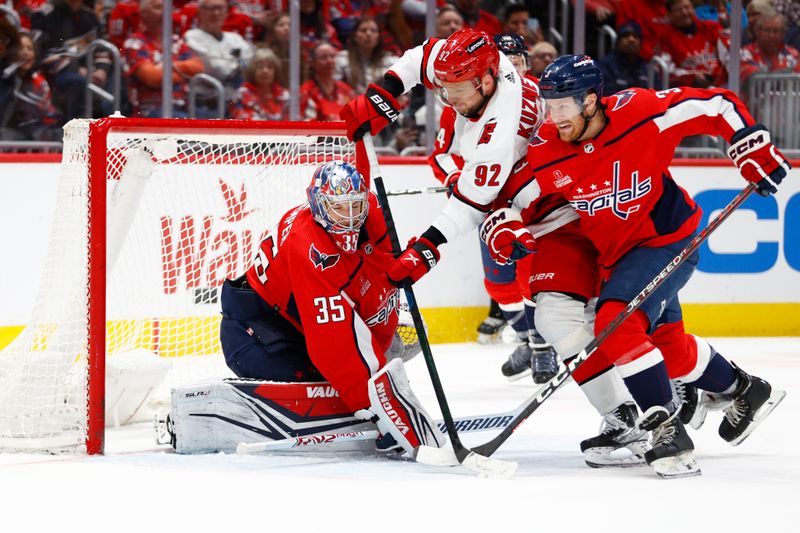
342, 302
621, 186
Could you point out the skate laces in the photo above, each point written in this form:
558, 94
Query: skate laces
613, 421
664, 433
521, 353
736, 412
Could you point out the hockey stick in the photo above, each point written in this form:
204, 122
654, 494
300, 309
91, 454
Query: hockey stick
550, 387
477, 463
469, 424
428, 190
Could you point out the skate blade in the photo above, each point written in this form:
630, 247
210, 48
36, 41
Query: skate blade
517, 377
683, 465
763, 412
629, 456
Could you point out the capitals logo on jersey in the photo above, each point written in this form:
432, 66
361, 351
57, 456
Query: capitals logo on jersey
321, 260
611, 195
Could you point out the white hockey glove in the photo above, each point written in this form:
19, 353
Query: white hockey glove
396, 411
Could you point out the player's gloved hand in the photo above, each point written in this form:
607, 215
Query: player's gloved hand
506, 236
369, 112
450, 182
758, 159
418, 258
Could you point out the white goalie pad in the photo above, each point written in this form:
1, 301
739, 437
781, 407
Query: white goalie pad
216, 415
398, 412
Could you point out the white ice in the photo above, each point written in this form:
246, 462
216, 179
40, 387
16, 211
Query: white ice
750, 488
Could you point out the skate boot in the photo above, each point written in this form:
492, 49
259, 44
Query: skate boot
692, 411
164, 429
753, 401
618, 431
519, 362
671, 453
490, 330
545, 362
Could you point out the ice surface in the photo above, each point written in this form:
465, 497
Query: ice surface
135, 487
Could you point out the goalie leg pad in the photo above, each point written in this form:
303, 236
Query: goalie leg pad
397, 412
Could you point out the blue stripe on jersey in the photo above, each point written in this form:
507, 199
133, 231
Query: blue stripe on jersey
671, 209
291, 309
554, 162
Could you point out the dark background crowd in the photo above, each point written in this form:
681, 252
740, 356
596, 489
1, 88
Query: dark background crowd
47, 58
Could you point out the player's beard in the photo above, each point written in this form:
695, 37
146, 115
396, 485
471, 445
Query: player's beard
477, 110
572, 134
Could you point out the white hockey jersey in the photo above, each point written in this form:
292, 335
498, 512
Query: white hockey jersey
493, 146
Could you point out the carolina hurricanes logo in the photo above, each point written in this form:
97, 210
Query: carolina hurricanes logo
234, 204
488, 130
537, 140
320, 260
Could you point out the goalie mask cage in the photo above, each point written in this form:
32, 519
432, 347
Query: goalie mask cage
151, 216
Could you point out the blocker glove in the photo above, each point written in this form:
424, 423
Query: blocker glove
369, 112
759, 161
418, 258
506, 236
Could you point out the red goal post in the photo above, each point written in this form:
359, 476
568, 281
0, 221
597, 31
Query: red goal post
151, 216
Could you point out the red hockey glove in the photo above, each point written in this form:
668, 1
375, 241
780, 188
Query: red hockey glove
758, 159
418, 258
450, 182
506, 236
369, 112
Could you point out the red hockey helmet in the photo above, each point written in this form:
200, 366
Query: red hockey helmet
466, 55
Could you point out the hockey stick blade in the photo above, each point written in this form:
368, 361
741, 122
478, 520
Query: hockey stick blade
481, 465
426, 190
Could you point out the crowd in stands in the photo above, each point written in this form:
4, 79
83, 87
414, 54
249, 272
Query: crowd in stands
345, 45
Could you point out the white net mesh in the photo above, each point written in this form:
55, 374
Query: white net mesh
184, 211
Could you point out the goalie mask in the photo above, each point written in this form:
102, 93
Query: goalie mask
339, 200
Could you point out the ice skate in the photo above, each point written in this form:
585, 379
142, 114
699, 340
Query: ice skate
671, 453
491, 329
692, 411
545, 362
519, 363
752, 401
620, 443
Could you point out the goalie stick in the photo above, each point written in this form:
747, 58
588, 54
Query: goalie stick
533, 403
469, 424
473, 461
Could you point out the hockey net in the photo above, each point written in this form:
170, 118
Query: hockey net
151, 217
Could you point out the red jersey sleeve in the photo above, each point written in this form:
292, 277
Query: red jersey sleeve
443, 160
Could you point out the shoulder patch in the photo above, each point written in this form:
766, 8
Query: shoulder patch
320, 260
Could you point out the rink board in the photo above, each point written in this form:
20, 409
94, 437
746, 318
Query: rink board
747, 283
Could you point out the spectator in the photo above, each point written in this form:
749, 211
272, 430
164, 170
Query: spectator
448, 21
66, 33
477, 18
717, 11
143, 56
123, 21
9, 42
694, 48
791, 10
517, 19
624, 67
322, 95
768, 53
28, 10
315, 26
651, 15
754, 10
278, 41
364, 61
224, 53
598, 14
542, 54
261, 97
235, 21
32, 114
